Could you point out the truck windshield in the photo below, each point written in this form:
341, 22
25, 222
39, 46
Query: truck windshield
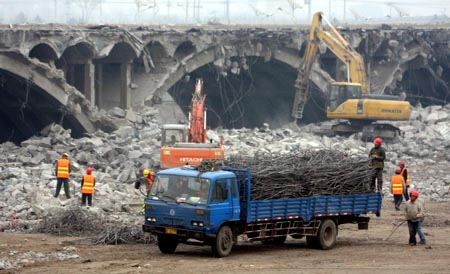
181, 189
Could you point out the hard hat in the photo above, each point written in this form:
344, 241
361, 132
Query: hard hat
88, 170
414, 194
146, 172
402, 163
65, 154
398, 170
377, 141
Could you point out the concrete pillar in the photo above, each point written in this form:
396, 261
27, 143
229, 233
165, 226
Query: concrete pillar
89, 82
125, 80
70, 74
99, 85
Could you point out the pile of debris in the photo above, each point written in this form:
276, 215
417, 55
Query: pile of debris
27, 172
27, 180
424, 147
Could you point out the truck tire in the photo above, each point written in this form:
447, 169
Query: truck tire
223, 243
327, 234
167, 243
275, 241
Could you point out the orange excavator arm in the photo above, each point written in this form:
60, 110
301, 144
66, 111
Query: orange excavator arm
197, 115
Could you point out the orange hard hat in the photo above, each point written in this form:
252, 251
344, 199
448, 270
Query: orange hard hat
377, 141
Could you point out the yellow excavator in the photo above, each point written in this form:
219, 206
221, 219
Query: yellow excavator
349, 100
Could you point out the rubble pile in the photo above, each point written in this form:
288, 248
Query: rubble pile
424, 147
27, 180
27, 172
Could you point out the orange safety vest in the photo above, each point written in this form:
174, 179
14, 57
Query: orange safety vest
408, 182
88, 184
63, 168
397, 184
150, 182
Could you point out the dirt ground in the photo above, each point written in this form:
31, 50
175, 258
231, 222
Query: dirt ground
363, 251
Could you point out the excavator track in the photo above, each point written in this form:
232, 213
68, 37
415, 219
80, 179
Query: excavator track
369, 131
384, 131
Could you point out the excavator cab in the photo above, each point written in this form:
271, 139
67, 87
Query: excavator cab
339, 92
172, 134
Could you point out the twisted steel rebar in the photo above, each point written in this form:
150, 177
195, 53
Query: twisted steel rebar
72, 221
303, 174
129, 234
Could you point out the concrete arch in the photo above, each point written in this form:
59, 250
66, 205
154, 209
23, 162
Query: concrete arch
79, 50
45, 51
56, 92
107, 53
155, 47
218, 53
184, 49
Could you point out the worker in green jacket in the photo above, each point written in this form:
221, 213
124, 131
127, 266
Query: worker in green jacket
377, 154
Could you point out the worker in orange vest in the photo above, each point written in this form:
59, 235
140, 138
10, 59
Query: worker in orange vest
397, 188
87, 187
62, 175
149, 177
147, 180
405, 175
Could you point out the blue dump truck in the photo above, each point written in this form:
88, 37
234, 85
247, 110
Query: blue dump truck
214, 208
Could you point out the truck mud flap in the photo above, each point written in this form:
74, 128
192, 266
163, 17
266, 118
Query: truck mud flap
363, 222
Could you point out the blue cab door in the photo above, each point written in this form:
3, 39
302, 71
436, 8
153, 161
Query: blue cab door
221, 204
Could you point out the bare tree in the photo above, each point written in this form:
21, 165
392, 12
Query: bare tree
293, 4
143, 5
87, 7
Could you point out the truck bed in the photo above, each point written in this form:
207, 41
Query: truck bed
308, 208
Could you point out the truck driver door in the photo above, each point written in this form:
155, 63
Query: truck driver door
221, 206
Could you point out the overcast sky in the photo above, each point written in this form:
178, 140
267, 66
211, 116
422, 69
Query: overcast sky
219, 11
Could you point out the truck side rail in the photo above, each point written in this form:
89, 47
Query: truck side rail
308, 208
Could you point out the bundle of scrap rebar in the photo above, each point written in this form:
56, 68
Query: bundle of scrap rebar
72, 221
303, 174
124, 234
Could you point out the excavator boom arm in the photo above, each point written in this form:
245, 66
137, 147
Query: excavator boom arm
197, 115
339, 46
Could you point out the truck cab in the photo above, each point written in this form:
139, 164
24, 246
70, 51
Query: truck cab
190, 207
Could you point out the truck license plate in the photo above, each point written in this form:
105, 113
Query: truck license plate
171, 231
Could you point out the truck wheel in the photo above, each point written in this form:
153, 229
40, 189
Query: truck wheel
223, 243
167, 244
327, 234
275, 241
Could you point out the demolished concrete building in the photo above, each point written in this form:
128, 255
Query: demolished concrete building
57, 84
61, 74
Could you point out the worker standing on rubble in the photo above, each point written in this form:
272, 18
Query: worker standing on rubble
405, 174
377, 154
87, 187
413, 213
147, 180
62, 175
397, 188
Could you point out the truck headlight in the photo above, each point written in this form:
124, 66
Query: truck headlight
151, 219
